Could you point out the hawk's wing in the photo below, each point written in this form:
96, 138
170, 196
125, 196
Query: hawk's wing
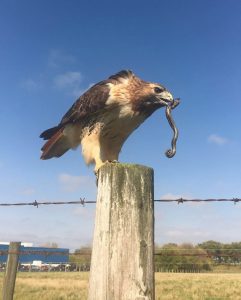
90, 103
94, 99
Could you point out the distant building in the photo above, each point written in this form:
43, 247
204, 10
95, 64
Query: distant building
46, 255
25, 244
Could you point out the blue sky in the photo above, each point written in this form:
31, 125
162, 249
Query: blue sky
51, 51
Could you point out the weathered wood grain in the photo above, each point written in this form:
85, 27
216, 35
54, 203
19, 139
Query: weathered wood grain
122, 259
11, 271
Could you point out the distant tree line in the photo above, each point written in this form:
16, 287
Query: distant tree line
182, 257
201, 257
223, 253
81, 256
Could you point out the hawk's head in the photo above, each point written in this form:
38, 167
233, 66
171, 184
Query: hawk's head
144, 97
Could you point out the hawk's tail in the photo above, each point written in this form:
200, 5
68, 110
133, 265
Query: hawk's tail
47, 134
57, 143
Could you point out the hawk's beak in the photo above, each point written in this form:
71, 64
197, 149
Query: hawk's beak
166, 99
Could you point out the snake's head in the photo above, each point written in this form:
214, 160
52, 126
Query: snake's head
175, 103
171, 102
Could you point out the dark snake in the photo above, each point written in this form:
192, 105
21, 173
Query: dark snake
171, 152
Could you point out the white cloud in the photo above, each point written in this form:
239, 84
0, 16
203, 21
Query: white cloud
84, 212
80, 211
77, 92
30, 85
217, 139
28, 191
69, 81
57, 58
70, 183
181, 235
170, 196
174, 233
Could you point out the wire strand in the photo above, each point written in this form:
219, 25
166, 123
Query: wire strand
82, 202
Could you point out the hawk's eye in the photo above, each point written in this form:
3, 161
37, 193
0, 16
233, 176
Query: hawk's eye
158, 90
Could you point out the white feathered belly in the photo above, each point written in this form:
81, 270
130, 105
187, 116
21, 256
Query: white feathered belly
105, 140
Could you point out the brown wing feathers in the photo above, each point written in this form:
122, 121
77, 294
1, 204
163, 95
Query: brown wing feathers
83, 111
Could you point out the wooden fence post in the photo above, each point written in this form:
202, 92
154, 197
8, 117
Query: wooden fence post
122, 264
11, 270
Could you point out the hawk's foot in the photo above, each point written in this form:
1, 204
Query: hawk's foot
97, 167
113, 161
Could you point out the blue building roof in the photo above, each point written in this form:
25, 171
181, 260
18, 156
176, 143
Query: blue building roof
47, 255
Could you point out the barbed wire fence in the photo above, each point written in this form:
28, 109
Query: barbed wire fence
211, 253
179, 266
83, 202
51, 253
203, 264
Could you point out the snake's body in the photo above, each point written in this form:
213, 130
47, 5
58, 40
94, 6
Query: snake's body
171, 152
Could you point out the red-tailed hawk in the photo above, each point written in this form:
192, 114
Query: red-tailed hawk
104, 116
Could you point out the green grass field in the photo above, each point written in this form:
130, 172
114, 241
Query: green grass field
169, 286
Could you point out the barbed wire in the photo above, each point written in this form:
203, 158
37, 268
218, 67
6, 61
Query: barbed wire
197, 249
65, 253
83, 202
194, 263
182, 200
198, 254
34, 252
